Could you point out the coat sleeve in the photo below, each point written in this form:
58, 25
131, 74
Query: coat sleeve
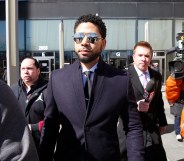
133, 128
158, 104
51, 126
160, 110
173, 88
16, 142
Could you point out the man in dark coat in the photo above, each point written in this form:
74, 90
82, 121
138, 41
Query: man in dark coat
89, 122
152, 111
30, 91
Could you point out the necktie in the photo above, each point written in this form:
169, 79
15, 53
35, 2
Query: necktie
145, 81
88, 86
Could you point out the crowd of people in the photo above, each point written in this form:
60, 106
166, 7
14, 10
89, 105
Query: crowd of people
87, 111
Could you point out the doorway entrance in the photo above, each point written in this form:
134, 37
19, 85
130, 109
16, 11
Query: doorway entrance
46, 62
118, 63
158, 63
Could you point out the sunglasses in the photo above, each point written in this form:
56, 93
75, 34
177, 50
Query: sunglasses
91, 37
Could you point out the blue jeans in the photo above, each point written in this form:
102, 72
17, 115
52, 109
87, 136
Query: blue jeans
177, 124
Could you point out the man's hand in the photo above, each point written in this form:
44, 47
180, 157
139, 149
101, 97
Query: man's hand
162, 129
143, 106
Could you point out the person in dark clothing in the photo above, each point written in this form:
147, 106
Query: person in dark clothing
30, 91
152, 111
16, 142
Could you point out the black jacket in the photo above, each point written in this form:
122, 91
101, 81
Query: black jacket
34, 106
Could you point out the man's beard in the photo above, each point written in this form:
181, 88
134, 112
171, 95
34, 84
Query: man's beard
89, 59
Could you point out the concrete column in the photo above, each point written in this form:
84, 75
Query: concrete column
146, 31
12, 54
61, 44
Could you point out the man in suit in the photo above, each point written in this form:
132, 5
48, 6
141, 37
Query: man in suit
152, 111
89, 122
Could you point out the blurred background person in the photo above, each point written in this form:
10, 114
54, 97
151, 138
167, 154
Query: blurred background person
155, 66
16, 143
30, 91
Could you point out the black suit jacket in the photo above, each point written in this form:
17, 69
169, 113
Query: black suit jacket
151, 120
90, 134
156, 113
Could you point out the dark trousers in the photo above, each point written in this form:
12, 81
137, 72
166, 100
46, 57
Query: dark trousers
177, 124
154, 150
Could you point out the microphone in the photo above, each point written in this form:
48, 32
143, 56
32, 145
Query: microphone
148, 90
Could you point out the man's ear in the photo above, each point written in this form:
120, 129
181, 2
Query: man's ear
39, 71
103, 44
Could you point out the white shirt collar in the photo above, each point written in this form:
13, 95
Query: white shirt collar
91, 69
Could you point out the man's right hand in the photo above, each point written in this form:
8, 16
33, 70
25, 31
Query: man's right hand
143, 106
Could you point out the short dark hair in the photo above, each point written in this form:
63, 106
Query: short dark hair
37, 65
143, 44
96, 20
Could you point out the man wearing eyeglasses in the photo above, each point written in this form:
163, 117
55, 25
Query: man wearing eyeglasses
88, 120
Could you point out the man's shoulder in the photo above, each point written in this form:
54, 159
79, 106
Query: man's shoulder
131, 67
110, 68
2, 82
113, 71
155, 74
132, 71
42, 81
14, 86
64, 70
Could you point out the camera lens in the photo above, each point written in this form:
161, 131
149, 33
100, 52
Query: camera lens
178, 66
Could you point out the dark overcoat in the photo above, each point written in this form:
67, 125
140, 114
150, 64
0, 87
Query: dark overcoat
90, 134
154, 118
33, 107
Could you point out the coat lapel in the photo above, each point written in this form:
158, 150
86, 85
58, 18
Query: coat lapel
152, 76
135, 79
96, 89
77, 84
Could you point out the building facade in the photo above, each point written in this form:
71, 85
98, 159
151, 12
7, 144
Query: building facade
127, 21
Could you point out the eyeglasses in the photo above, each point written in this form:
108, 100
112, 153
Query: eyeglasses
91, 37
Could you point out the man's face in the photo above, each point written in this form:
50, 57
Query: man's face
88, 52
142, 58
29, 72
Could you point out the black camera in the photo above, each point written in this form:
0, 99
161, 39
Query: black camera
176, 66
